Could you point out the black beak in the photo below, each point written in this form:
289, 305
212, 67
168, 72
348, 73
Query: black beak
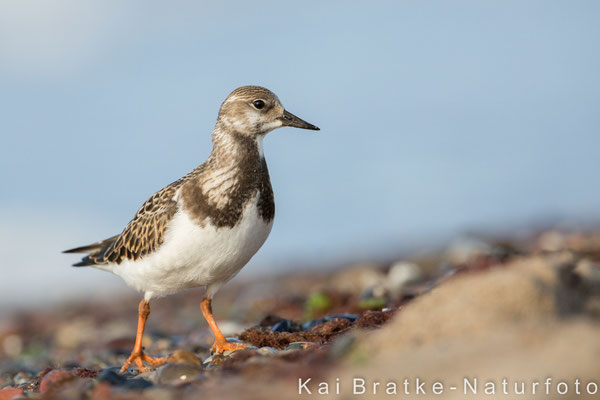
289, 119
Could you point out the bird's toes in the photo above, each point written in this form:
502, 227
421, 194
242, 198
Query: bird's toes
220, 347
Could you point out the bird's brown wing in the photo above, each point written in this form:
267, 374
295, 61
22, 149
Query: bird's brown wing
143, 235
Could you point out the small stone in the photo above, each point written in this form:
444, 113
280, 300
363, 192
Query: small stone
148, 375
54, 378
464, 249
27, 386
242, 355
184, 357
214, 360
126, 380
267, 351
23, 377
282, 326
401, 274
137, 383
9, 393
299, 346
110, 376
356, 279
177, 373
286, 326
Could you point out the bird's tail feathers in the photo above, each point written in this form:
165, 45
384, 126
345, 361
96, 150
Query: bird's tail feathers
91, 249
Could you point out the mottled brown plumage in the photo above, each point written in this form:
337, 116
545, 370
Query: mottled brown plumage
144, 233
235, 154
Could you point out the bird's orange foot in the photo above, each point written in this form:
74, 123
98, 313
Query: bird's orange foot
139, 358
220, 346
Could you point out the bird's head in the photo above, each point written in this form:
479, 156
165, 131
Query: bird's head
255, 111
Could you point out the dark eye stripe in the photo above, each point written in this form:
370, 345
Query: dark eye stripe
259, 104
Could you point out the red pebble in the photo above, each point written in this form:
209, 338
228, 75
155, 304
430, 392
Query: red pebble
9, 393
52, 378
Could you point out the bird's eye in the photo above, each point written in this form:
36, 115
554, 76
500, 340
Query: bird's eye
259, 104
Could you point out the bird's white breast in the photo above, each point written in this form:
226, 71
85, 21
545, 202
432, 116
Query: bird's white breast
193, 255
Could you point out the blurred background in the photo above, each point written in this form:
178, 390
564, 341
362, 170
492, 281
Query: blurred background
436, 118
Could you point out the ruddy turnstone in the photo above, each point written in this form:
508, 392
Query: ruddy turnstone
203, 228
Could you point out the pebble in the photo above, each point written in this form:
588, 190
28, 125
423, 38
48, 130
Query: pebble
267, 351
137, 383
184, 357
299, 346
27, 386
401, 274
9, 393
177, 373
148, 375
214, 360
110, 376
357, 279
54, 378
283, 326
23, 377
462, 250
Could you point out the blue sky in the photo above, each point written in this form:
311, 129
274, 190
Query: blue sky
436, 117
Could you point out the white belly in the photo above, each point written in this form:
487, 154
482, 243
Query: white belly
193, 256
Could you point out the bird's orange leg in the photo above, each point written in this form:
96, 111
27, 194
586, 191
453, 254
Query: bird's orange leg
137, 355
221, 344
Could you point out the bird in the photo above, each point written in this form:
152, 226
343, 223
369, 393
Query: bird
202, 229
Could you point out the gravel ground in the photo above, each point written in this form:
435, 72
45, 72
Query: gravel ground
295, 325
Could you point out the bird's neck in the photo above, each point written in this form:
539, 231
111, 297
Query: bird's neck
231, 149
